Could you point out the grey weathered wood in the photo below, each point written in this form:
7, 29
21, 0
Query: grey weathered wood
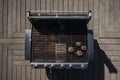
118, 75
43, 76
55, 4
96, 17
18, 73
81, 4
1, 53
38, 3
4, 62
38, 74
23, 73
43, 5
33, 7
18, 58
89, 6
47, 3
61, 5
14, 72
23, 16
107, 15
33, 74
5, 15
13, 21
1, 17
116, 10
76, 5
86, 5
71, 5
18, 15
113, 76
101, 17
111, 13
28, 24
66, 5
14, 16
9, 30
28, 72
107, 74
10, 64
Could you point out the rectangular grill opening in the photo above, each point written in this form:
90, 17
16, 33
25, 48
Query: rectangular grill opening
51, 40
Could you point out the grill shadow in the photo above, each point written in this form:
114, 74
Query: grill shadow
95, 70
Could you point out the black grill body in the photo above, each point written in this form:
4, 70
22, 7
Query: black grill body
59, 41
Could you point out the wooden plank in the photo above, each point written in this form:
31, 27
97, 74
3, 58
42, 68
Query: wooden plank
81, 2
5, 16
90, 5
114, 58
51, 4
22, 17
23, 73
1, 53
110, 41
119, 17
18, 58
18, 15
18, 73
118, 73
111, 47
4, 65
43, 4
1, 17
38, 72
33, 4
48, 4
113, 76
111, 13
86, 5
96, 17
22, 63
38, 2
66, 5
19, 52
109, 35
28, 72
10, 64
106, 15
33, 74
11, 40
76, 5
55, 5
28, 24
110, 53
101, 18
9, 18
43, 76
60, 5
71, 4
14, 72
116, 17
18, 35
14, 16
107, 74
16, 46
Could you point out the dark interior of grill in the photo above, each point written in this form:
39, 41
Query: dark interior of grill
59, 41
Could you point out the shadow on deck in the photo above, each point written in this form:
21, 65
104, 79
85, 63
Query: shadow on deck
95, 69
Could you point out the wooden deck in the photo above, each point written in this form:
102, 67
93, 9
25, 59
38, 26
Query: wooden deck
105, 23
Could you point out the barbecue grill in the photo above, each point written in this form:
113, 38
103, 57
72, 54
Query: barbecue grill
59, 39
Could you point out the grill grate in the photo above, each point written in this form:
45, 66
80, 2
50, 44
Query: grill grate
54, 48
